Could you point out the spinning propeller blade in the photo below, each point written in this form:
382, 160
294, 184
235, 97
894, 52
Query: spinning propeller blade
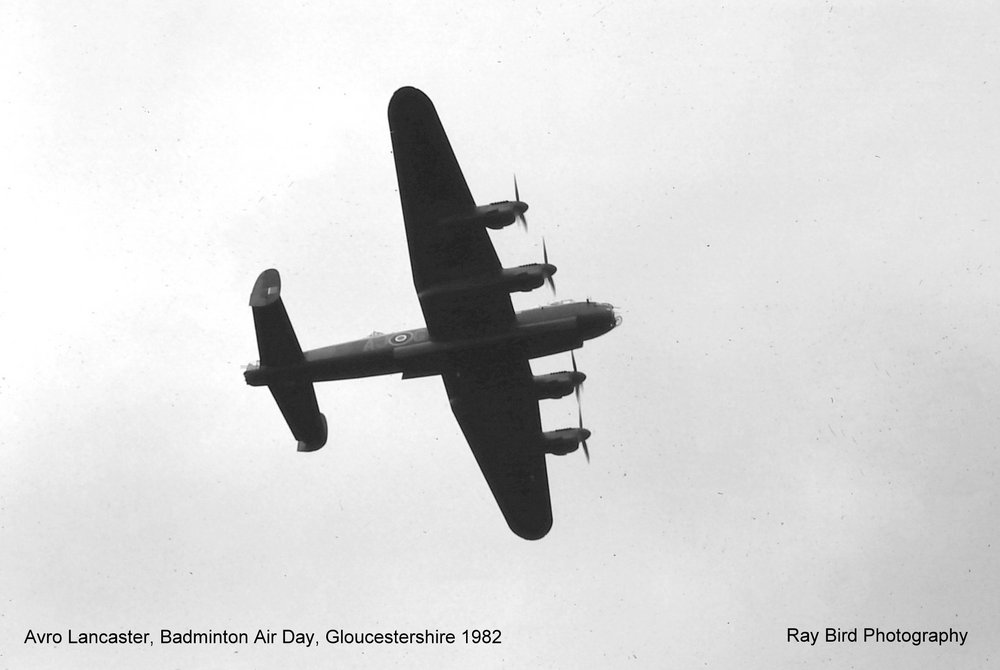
579, 407
520, 213
545, 259
579, 386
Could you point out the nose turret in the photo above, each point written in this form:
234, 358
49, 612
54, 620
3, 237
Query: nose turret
598, 319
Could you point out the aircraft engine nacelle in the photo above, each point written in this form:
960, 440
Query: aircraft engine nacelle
508, 280
557, 384
498, 214
526, 277
495, 216
564, 441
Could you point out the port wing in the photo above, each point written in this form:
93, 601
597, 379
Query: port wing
432, 189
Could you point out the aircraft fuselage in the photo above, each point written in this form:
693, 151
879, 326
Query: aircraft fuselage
541, 331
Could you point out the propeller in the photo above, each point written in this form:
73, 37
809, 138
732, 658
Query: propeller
545, 259
520, 212
572, 357
579, 407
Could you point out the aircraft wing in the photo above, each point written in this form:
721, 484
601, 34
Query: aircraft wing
431, 189
493, 399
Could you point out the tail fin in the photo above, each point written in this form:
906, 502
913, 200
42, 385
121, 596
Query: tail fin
279, 347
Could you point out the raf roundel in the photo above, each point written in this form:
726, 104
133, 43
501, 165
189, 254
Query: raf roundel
401, 338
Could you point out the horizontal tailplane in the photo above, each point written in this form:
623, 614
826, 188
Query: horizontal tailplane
276, 339
297, 402
279, 348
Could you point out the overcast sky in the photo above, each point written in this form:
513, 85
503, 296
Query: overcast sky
794, 204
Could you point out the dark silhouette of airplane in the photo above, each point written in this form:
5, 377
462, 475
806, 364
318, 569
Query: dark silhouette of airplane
474, 340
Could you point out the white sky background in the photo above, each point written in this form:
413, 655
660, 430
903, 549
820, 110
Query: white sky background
795, 204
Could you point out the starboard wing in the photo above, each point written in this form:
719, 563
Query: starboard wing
432, 190
493, 399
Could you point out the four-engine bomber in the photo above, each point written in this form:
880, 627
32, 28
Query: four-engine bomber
472, 337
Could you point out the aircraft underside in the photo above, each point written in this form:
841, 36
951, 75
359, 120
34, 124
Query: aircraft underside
472, 337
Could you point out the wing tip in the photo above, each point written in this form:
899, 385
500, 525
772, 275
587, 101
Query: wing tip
532, 532
531, 523
410, 102
407, 93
